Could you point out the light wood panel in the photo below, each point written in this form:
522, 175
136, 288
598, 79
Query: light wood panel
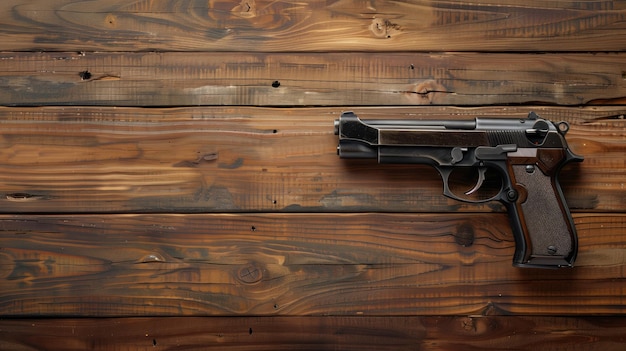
297, 79
343, 25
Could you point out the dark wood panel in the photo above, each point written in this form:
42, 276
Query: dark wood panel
189, 79
297, 264
265, 25
72, 159
317, 333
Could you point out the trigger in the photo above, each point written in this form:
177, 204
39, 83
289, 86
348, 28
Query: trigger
479, 183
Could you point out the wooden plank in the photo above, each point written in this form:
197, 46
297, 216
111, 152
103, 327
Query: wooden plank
187, 79
317, 333
74, 159
297, 264
264, 25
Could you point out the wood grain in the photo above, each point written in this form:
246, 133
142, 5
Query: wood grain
343, 25
74, 159
317, 333
297, 264
169, 180
312, 79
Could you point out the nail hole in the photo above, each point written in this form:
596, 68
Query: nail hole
411, 66
253, 228
275, 306
275, 131
250, 331
153, 342
275, 84
274, 202
84, 75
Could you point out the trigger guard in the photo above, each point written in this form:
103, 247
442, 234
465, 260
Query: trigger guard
445, 175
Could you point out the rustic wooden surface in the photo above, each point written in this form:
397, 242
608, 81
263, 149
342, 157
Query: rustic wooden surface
168, 175
68, 159
310, 79
297, 264
315, 25
318, 333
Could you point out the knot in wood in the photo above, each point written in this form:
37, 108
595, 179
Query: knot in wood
250, 274
464, 235
468, 324
383, 28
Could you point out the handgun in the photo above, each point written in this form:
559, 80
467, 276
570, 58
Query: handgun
514, 161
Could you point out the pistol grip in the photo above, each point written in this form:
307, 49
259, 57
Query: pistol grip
545, 235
